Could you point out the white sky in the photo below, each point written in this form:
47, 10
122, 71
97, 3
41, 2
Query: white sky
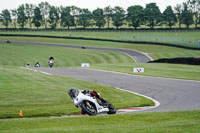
91, 4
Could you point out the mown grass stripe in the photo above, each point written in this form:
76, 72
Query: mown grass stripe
63, 56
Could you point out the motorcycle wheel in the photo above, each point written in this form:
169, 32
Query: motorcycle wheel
50, 65
111, 108
89, 108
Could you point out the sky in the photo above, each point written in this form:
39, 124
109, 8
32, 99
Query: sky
91, 4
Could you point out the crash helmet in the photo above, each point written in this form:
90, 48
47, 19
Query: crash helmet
51, 58
72, 92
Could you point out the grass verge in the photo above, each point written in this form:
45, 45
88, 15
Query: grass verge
155, 51
168, 35
176, 122
178, 71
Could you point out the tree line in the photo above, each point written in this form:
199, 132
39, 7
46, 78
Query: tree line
44, 14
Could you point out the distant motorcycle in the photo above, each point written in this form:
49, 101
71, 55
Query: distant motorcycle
37, 64
51, 61
90, 104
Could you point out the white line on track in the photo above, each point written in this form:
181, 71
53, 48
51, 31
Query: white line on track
148, 107
36, 70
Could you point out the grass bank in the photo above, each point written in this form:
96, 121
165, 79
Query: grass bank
176, 122
20, 55
155, 51
177, 71
189, 39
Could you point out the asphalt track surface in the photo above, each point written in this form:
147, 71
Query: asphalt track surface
137, 56
173, 94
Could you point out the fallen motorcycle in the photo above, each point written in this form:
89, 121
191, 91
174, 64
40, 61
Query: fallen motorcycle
89, 104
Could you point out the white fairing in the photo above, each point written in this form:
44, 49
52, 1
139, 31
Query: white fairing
87, 97
37, 65
51, 61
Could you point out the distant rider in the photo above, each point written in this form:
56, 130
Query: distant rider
51, 61
37, 64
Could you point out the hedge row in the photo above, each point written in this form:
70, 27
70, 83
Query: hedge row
186, 60
105, 29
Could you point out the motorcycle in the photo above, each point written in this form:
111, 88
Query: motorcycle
37, 64
51, 63
89, 104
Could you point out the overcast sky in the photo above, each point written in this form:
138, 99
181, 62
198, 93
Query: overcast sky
91, 4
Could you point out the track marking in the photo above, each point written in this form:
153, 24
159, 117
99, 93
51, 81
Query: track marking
36, 70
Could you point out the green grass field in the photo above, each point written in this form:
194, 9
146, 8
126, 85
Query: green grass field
189, 39
169, 122
40, 95
155, 51
178, 71
20, 55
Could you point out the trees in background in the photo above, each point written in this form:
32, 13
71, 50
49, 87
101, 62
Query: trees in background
14, 17
98, 17
118, 16
75, 11
152, 15
178, 11
66, 18
37, 18
194, 5
135, 16
53, 17
169, 17
187, 16
186, 13
84, 18
29, 9
108, 12
5, 17
21, 16
45, 9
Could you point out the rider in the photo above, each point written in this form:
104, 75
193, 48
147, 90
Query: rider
51, 61
73, 93
37, 64
51, 58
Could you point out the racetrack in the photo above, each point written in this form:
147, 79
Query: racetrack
137, 56
173, 94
